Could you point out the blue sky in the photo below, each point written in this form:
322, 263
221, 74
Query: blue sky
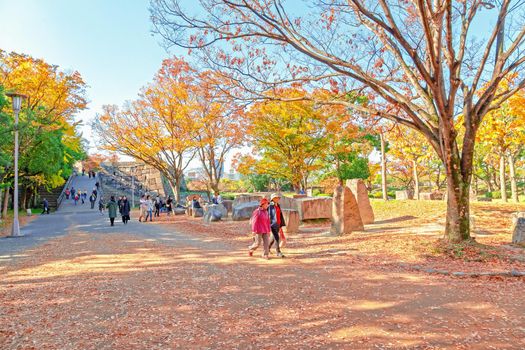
108, 41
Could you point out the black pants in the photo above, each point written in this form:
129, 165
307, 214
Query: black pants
125, 219
112, 220
276, 238
92, 205
46, 211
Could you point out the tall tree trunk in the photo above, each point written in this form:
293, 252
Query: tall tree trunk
513, 186
503, 188
416, 180
457, 226
383, 167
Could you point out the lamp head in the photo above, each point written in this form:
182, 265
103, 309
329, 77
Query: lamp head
17, 100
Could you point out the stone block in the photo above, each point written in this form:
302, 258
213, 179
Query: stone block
228, 204
179, 211
217, 207
314, 208
425, 196
288, 203
291, 219
404, 195
358, 188
213, 213
197, 212
345, 212
244, 211
518, 228
246, 198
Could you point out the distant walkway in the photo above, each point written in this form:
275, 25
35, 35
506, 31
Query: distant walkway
53, 225
84, 184
70, 218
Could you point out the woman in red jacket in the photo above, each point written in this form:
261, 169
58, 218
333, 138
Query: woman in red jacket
261, 228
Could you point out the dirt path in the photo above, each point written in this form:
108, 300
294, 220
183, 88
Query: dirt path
127, 291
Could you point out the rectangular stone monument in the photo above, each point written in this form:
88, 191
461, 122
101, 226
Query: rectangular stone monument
345, 212
314, 208
291, 219
358, 188
404, 195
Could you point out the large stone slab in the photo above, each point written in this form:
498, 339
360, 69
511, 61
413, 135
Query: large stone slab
358, 188
518, 228
244, 211
179, 211
219, 207
345, 212
197, 212
288, 203
314, 208
404, 195
291, 218
214, 212
247, 198
228, 204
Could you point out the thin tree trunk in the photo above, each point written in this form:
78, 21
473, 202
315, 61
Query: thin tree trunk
6, 202
24, 198
383, 168
513, 186
502, 178
416, 180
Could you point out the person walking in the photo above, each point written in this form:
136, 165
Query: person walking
75, 199
169, 205
119, 204
92, 200
157, 207
260, 222
68, 192
149, 208
112, 210
277, 223
101, 206
125, 210
143, 207
46, 206
73, 192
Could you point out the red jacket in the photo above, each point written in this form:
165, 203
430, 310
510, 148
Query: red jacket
260, 221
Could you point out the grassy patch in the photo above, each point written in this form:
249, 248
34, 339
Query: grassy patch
397, 208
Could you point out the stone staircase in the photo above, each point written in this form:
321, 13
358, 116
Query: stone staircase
117, 183
51, 195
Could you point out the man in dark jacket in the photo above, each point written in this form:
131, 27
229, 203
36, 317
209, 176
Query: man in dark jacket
276, 221
125, 209
46, 206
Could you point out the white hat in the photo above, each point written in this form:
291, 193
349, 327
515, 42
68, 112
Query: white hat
274, 195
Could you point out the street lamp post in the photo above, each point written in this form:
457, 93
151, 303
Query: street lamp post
133, 186
17, 104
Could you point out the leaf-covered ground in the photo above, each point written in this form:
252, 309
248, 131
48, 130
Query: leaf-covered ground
129, 291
